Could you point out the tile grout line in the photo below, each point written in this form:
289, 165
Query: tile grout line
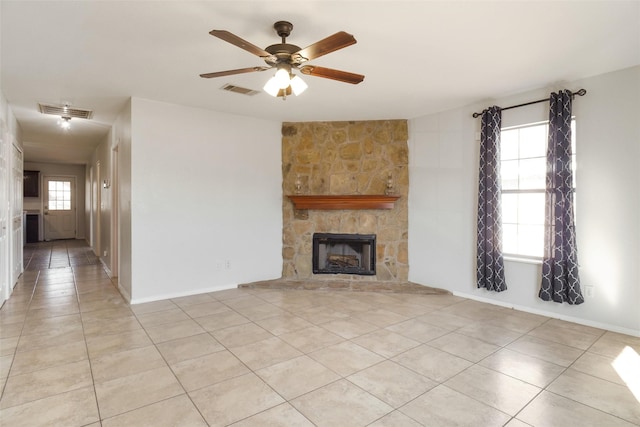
84, 336
15, 351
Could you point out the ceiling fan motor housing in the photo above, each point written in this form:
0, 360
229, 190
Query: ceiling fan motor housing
282, 52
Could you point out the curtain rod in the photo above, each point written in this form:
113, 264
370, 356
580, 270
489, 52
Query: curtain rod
581, 92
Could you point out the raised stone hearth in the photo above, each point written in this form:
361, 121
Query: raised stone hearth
345, 285
346, 159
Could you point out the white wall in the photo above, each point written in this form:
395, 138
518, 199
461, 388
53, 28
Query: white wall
442, 202
205, 189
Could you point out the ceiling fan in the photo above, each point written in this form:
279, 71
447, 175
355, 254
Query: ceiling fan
285, 57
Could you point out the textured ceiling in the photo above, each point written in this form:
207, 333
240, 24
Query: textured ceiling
419, 57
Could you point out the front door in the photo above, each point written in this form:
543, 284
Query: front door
59, 208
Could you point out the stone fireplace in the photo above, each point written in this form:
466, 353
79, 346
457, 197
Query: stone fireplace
357, 158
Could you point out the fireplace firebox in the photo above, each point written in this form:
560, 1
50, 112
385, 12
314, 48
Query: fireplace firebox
344, 253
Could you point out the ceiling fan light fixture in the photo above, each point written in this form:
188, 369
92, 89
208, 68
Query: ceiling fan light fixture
282, 77
298, 85
281, 80
272, 87
283, 93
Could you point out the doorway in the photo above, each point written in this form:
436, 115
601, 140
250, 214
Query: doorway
115, 209
59, 207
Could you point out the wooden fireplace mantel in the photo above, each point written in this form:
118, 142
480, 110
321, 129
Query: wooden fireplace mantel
357, 201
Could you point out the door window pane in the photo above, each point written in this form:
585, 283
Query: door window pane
59, 195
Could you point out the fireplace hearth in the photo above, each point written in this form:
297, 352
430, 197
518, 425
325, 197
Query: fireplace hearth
344, 254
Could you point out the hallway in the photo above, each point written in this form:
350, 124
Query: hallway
74, 353
57, 254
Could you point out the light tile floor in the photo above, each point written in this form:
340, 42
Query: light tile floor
73, 353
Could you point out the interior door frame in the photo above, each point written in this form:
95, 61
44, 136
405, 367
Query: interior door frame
98, 213
5, 214
17, 214
91, 208
45, 201
115, 210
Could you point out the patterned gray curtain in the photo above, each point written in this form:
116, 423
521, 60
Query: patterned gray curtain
560, 281
490, 264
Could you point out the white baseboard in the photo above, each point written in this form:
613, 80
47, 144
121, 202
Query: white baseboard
182, 294
124, 293
599, 325
106, 267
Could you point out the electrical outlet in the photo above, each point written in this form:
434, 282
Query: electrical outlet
589, 291
227, 265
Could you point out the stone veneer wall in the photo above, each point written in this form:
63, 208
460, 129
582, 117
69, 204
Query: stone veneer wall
331, 158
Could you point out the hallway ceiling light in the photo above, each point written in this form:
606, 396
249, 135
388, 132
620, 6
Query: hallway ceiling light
65, 122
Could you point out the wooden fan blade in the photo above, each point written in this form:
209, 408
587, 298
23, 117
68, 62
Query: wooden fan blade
232, 72
330, 73
241, 43
330, 44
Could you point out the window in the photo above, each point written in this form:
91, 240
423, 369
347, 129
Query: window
523, 168
59, 195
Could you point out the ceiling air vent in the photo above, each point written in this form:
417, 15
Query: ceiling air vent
65, 111
240, 90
